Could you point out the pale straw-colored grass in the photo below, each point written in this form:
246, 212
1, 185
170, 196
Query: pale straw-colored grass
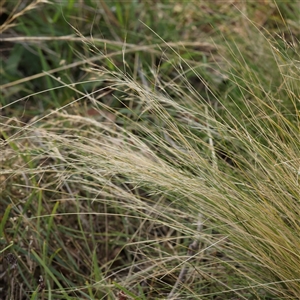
118, 199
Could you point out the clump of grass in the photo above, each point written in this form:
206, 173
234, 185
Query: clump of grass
189, 189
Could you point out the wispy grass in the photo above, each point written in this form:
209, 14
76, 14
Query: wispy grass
166, 177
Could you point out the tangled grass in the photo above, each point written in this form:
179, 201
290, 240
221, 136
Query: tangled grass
187, 190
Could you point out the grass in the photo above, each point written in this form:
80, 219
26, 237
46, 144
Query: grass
150, 153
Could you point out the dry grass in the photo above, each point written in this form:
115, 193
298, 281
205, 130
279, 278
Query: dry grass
182, 192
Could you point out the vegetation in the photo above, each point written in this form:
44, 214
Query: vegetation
150, 150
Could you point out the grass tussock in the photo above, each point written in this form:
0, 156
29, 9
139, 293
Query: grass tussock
170, 179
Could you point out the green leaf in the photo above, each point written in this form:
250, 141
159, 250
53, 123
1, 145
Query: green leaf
4, 220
